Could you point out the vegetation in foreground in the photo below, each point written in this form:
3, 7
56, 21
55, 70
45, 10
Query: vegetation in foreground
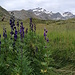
60, 48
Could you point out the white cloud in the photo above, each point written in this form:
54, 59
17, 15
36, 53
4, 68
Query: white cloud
51, 5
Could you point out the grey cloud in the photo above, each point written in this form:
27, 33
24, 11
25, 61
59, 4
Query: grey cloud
51, 5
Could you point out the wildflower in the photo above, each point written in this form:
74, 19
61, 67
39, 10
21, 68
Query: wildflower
45, 37
47, 40
44, 33
11, 32
14, 27
44, 29
17, 23
26, 30
22, 30
15, 31
30, 20
15, 37
10, 22
4, 33
30, 23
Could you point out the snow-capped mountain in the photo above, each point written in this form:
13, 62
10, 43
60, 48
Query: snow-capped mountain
40, 10
43, 14
67, 14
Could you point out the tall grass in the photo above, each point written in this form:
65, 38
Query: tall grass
61, 46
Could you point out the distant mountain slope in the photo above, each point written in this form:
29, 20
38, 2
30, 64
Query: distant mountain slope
43, 14
4, 13
23, 14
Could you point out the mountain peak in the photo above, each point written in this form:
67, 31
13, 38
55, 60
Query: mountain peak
67, 14
43, 14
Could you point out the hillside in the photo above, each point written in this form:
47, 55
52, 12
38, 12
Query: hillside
23, 14
4, 13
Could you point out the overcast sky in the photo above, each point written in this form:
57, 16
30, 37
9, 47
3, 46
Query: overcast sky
50, 5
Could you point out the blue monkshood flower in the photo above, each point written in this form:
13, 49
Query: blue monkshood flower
47, 40
44, 33
26, 30
21, 30
44, 29
11, 32
15, 37
30, 22
45, 37
4, 33
16, 31
17, 23
14, 27
21, 23
10, 22
13, 24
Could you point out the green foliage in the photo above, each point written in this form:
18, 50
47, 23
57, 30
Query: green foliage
60, 51
26, 57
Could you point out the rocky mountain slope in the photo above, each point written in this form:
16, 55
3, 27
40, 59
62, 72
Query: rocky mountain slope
39, 13
4, 13
43, 14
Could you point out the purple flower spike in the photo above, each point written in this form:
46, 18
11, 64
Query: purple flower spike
26, 30
30, 20
46, 31
15, 37
44, 34
16, 31
4, 33
47, 40
45, 37
21, 23
22, 31
11, 32
17, 23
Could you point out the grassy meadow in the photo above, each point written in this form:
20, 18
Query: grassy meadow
61, 44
